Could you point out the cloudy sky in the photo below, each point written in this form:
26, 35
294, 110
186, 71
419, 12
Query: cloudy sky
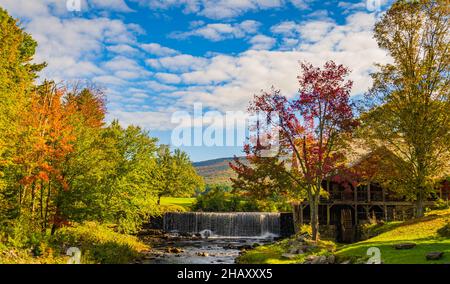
157, 57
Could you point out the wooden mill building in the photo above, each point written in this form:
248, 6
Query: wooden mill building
349, 206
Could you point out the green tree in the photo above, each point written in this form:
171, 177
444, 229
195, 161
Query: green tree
113, 178
16, 82
409, 102
176, 174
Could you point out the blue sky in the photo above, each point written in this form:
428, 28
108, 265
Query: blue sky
157, 58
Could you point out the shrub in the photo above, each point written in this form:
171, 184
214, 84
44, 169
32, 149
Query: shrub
305, 230
441, 204
99, 243
222, 199
172, 208
445, 230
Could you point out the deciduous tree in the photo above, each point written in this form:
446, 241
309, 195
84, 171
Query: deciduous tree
409, 105
313, 128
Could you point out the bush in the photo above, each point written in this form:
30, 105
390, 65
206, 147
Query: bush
216, 199
305, 230
172, 208
221, 199
445, 231
99, 243
441, 204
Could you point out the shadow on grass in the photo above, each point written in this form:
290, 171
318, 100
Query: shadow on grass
390, 255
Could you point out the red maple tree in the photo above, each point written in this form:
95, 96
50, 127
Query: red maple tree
313, 129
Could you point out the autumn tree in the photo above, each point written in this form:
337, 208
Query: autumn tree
41, 154
313, 129
409, 106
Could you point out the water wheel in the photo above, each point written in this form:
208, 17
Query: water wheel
348, 231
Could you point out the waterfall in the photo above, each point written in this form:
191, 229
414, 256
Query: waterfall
249, 224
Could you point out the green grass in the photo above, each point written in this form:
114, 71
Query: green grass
428, 233
272, 254
177, 204
423, 232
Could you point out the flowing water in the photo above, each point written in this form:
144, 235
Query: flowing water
228, 225
212, 238
205, 251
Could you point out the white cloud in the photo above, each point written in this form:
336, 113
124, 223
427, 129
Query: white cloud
221, 9
312, 30
70, 45
178, 63
228, 82
123, 49
149, 119
221, 31
301, 4
126, 68
287, 28
146, 94
168, 78
262, 42
109, 80
158, 50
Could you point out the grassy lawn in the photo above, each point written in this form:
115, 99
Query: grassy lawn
423, 232
177, 203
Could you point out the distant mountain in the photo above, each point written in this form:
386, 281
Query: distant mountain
215, 171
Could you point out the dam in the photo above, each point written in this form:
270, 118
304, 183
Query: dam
224, 225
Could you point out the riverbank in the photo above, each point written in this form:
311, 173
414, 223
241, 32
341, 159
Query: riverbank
297, 249
97, 244
419, 241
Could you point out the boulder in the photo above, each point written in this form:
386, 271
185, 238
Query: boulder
309, 248
174, 250
434, 255
319, 260
331, 259
310, 257
405, 246
346, 262
245, 247
296, 251
229, 246
288, 256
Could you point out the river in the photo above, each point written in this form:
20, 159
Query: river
201, 251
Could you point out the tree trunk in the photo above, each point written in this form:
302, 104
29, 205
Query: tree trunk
298, 220
46, 211
314, 209
159, 199
33, 197
420, 212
